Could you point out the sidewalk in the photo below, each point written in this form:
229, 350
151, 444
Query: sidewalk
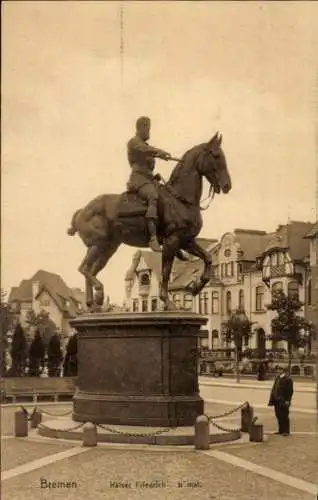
257, 393
255, 384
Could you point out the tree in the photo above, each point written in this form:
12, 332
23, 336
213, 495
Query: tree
43, 323
237, 328
6, 324
287, 325
36, 355
55, 356
70, 361
19, 351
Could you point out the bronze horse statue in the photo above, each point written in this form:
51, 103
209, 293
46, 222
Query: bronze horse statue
111, 219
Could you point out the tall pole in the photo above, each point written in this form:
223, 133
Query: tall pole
122, 47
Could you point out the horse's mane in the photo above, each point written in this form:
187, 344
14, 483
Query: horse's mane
183, 166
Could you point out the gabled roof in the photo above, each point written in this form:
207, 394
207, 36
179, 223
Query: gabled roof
252, 243
291, 236
313, 233
53, 284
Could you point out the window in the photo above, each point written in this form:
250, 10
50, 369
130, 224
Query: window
281, 259
222, 270
188, 302
204, 303
274, 259
46, 302
241, 299
215, 339
154, 304
293, 289
135, 305
144, 280
177, 300
215, 271
232, 268
215, 303
309, 296
260, 292
277, 286
227, 252
228, 302
144, 305
228, 269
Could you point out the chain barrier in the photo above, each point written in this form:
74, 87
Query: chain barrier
68, 429
230, 412
136, 434
225, 429
226, 414
30, 414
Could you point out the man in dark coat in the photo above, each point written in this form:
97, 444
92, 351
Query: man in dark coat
141, 158
280, 398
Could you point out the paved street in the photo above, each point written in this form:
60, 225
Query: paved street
282, 468
255, 392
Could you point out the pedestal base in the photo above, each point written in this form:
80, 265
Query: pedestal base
136, 410
138, 369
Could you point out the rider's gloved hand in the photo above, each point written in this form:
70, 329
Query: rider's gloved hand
157, 177
163, 155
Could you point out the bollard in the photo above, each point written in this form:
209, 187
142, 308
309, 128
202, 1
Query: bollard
247, 413
36, 419
256, 432
20, 424
89, 434
202, 433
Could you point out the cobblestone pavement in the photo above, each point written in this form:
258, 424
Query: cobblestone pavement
293, 455
96, 472
202, 477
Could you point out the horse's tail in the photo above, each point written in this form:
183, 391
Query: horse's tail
73, 229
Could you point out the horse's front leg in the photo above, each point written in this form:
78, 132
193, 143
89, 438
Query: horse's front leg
170, 247
194, 249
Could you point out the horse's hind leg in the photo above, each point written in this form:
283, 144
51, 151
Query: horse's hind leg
91, 256
98, 265
89, 293
170, 246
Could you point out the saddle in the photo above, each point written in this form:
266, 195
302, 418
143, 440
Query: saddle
131, 204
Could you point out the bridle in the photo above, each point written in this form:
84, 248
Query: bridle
183, 200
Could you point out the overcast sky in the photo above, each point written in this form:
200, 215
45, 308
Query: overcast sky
246, 69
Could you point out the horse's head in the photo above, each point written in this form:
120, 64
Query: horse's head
212, 164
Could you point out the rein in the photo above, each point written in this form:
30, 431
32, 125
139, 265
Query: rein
180, 198
209, 197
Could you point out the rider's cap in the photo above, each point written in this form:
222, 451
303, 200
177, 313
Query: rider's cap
142, 120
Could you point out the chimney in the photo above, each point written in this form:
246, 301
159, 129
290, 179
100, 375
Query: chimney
35, 291
35, 288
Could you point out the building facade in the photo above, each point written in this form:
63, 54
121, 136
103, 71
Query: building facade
247, 267
47, 293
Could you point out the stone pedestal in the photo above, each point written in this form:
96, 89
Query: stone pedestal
138, 369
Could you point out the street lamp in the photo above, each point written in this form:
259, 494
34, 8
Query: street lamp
241, 326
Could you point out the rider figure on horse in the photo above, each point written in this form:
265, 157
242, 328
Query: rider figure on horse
141, 157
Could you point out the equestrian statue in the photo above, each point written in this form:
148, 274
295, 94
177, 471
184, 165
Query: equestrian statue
164, 216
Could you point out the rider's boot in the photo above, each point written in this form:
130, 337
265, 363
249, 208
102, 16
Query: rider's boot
153, 241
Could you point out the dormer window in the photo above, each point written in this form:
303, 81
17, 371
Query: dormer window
274, 259
144, 280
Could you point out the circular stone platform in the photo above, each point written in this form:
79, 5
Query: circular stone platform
66, 428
